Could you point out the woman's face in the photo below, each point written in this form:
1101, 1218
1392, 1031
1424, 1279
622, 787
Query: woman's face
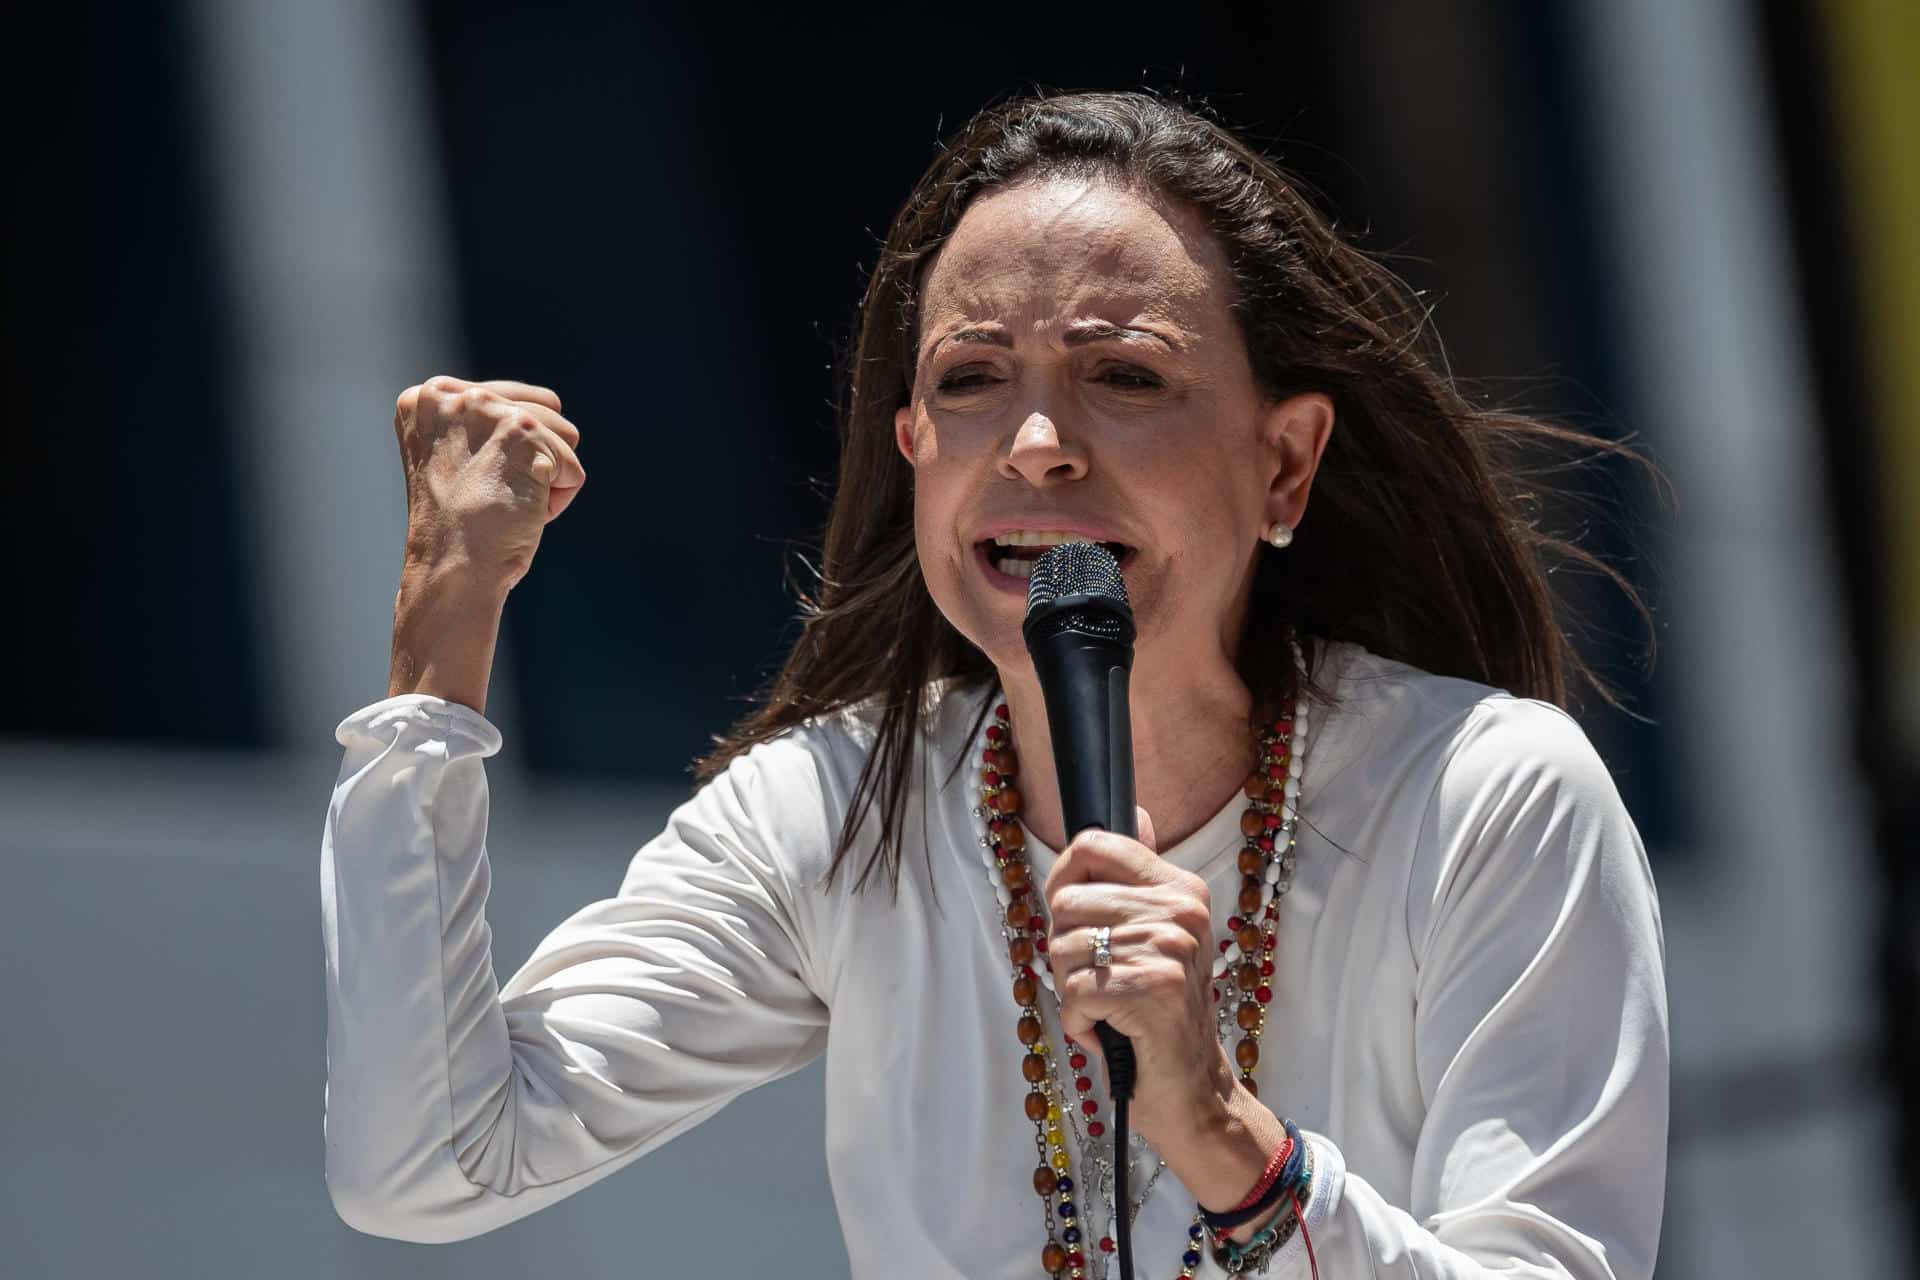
1078, 375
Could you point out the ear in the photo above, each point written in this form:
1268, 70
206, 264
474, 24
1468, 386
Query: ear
903, 431
1296, 429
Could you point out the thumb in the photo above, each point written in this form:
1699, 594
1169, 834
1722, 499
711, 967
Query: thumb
1145, 823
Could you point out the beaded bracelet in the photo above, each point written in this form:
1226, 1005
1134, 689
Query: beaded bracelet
1253, 1256
1271, 1189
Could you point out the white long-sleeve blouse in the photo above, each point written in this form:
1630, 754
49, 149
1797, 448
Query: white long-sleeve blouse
1469, 1017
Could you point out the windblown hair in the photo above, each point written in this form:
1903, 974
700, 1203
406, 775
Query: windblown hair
1423, 542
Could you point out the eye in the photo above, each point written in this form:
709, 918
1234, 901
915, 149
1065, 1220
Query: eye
1130, 378
962, 381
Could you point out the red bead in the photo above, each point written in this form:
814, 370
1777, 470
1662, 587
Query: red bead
1038, 924
995, 734
1075, 1258
1082, 1083
1077, 1061
1283, 727
1095, 1128
1274, 771
1272, 912
1266, 968
1040, 943
1071, 1042
1223, 946
1266, 843
1234, 923
1001, 713
997, 825
1273, 821
1106, 1244
988, 778
1263, 993
1089, 1106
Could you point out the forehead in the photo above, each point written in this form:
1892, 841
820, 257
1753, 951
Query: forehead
1046, 252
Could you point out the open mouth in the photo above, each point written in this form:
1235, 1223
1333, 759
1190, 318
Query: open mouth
1014, 554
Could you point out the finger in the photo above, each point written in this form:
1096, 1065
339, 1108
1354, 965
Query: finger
1071, 906
1086, 1041
551, 419
532, 451
1144, 821
545, 456
523, 391
1102, 855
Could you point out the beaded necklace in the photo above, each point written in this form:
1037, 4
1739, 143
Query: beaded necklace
1241, 971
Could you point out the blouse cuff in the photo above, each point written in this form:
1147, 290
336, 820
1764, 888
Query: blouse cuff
442, 727
1323, 1197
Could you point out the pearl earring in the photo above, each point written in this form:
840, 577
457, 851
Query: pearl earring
1280, 535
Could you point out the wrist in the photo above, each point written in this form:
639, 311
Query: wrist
445, 627
1221, 1157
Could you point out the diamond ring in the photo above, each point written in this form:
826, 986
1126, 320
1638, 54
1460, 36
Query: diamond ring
1102, 947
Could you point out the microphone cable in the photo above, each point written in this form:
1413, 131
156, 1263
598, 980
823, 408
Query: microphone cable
1120, 1079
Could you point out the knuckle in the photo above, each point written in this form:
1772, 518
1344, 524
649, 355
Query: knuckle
1180, 945
475, 399
1194, 918
407, 403
443, 384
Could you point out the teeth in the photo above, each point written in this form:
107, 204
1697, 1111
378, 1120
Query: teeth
1040, 538
1017, 568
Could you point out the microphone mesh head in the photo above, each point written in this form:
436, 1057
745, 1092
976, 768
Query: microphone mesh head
1084, 569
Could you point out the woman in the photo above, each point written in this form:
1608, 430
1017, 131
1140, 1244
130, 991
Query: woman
1387, 947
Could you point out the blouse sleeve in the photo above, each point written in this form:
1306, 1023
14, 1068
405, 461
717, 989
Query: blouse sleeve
1540, 1029
453, 1107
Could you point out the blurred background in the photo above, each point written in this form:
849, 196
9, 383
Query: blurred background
236, 229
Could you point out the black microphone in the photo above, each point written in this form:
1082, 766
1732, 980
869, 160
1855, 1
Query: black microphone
1079, 631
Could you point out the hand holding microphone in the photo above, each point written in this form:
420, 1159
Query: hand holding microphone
1151, 1006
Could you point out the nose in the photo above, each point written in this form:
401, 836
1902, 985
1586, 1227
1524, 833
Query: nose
1039, 456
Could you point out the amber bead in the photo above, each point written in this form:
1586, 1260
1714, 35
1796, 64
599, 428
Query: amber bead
1015, 875
1014, 838
1009, 762
1248, 938
1029, 1030
1250, 823
1249, 1015
1034, 1068
1045, 1180
1247, 1053
1257, 784
1252, 862
1021, 950
1024, 990
1008, 801
1247, 1083
1019, 911
1053, 1258
1036, 1106
1249, 898
1247, 976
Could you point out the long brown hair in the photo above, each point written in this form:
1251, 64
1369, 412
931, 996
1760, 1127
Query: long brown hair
1423, 544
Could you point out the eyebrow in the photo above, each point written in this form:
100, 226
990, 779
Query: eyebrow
1079, 333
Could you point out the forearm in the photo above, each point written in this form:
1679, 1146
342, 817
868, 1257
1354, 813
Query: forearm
445, 628
1222, 1156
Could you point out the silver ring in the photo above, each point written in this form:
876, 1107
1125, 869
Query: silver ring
1102, 946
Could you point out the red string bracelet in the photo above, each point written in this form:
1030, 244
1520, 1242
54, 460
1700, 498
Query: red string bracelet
1275, 1164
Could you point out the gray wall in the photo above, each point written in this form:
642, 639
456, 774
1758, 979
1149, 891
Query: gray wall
163, 1057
